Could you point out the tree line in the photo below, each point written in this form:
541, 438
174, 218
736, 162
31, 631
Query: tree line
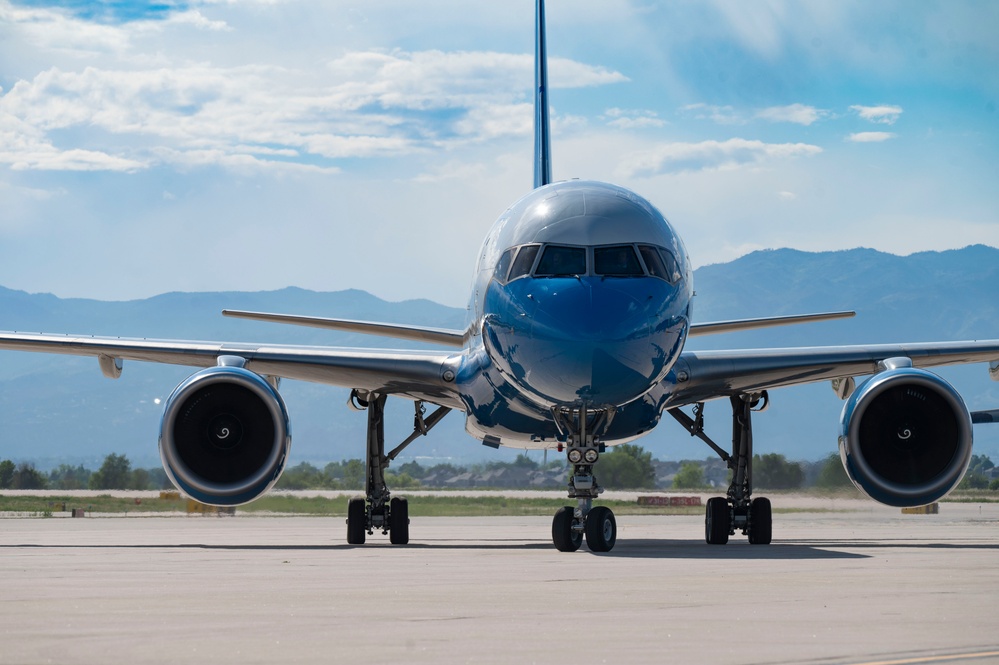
627, 466
116, 473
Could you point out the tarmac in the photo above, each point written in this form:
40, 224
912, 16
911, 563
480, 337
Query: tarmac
850, 587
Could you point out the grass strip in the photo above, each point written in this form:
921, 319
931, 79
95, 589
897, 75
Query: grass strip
450, 505
419, 506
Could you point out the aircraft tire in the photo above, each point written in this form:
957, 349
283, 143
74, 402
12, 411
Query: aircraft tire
563, 535
717, 521
761, 527
356, 521
399, 521
601, 529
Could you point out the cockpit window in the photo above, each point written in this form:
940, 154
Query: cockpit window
557, 261
671, 265
620, 261
503, 265
524, 262
607, 261
660, 263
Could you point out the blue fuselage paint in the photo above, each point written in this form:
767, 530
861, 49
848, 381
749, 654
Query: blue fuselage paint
538, 343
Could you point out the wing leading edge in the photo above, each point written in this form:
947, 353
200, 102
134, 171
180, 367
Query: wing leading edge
705, 375
422, 375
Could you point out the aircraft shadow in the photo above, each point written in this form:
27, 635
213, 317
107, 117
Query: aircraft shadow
444, 545
630, 548
635, 549
901, 545
742, 551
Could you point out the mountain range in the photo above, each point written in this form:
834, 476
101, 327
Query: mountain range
60, 409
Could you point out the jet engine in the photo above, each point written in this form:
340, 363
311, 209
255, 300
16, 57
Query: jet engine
905, 436
225, 435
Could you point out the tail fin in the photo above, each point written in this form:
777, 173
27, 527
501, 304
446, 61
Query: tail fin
542, 139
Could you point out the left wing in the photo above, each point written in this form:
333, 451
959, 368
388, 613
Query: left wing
705, 375
423, 375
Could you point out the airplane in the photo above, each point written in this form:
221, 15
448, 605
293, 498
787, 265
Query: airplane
581, 305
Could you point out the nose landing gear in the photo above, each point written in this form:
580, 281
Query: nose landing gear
596, 524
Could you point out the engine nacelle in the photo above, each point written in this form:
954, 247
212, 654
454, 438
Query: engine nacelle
905, 437
225, 436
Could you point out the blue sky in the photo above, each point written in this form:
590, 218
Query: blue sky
253, 145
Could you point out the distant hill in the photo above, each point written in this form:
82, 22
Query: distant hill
58, 408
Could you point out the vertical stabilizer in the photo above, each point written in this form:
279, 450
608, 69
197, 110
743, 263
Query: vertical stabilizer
542, 140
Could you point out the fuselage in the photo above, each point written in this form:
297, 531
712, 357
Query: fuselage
581, 298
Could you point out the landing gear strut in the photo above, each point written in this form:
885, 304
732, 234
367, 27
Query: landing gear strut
737, 510
572, 524
378, 509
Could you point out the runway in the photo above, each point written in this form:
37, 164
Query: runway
844, 587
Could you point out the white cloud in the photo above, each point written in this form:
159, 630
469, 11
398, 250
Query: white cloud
883, 114
453, 171
786, 196
334, 147
632, 118
870, 137
723, 115
24, 147
565, 73
800, 114
239, 162
362, 104
57, 29
796, 113
711, 155
197, 19
437, 79
497, 121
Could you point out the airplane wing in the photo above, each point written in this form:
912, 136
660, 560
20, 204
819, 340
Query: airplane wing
416, 374
705, 375
454, 338
716, 327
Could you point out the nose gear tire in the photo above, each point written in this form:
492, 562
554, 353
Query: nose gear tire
601, 529
566, 538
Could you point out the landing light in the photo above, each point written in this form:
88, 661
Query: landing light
590, 456
575, 455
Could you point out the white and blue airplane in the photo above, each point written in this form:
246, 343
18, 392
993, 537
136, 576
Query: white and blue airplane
580, 308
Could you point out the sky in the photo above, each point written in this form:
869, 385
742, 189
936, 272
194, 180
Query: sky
254, 145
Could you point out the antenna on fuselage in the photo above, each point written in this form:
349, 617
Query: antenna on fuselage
542, 139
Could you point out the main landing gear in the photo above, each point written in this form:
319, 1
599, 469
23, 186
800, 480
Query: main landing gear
572, 524
378, 509
738, 510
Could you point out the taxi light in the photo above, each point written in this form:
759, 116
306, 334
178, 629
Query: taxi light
590, 455
575, 455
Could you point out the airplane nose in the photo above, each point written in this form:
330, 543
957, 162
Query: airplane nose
583, 340
575, 311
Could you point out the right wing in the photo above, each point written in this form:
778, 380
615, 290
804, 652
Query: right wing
454, 338
422, 375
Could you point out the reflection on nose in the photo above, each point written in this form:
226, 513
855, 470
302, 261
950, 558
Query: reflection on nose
582, 340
